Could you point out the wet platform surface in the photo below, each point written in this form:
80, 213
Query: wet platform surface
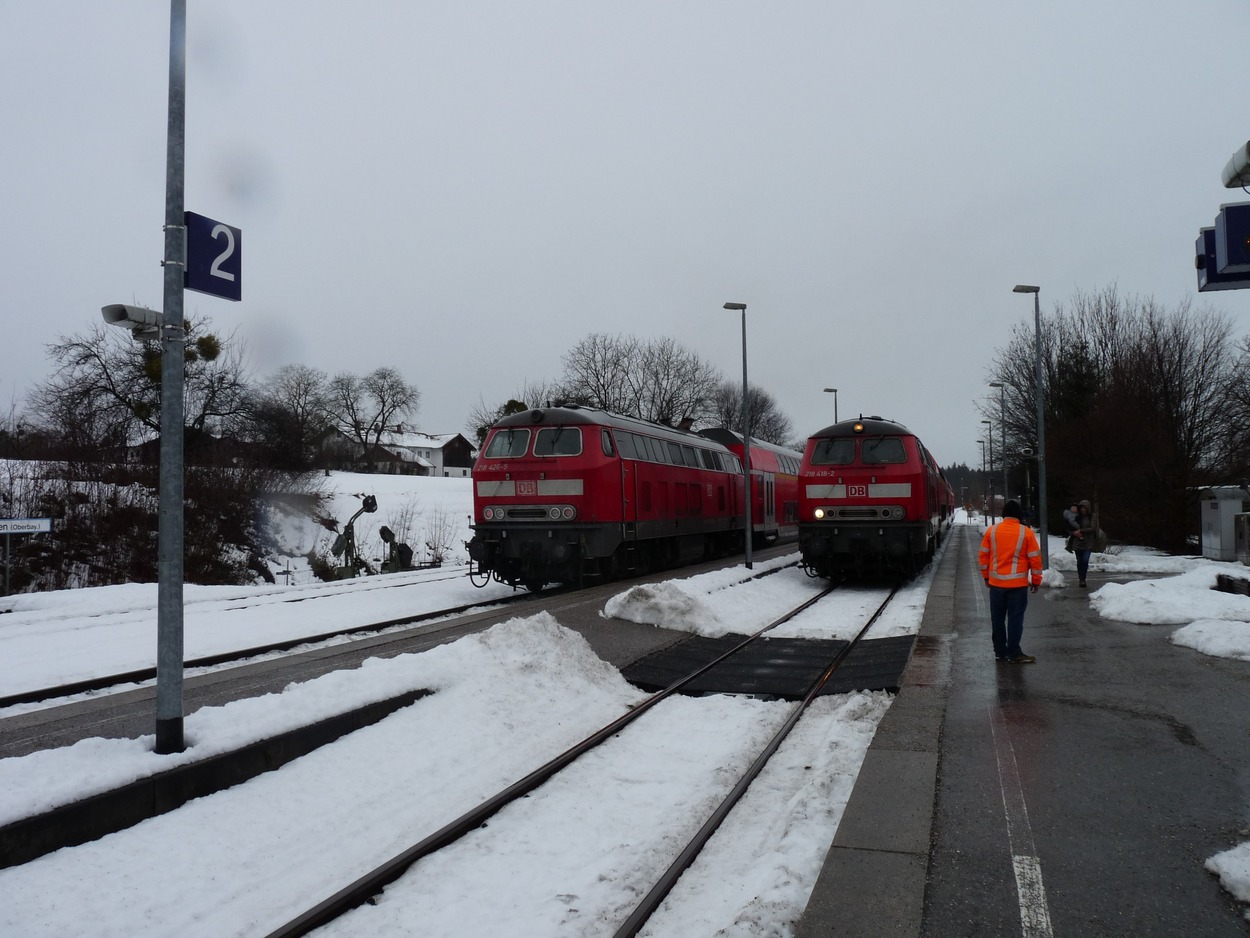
773, 667
1078, 796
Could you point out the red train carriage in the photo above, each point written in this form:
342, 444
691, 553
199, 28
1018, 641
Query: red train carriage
774, 484
871, 500
566, 494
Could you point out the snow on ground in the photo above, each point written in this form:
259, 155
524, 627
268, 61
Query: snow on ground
245, 860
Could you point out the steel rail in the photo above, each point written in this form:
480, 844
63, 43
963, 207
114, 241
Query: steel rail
646, 908
369, 885
147, 674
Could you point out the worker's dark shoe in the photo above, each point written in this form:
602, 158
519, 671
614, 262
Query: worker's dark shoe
1023, 659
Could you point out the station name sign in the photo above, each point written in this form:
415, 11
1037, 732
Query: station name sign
25, 525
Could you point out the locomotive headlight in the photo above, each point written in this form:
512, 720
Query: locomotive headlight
568, 512
820, 514
554, 514
488, 514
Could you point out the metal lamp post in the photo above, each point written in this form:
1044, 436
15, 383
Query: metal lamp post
834, 391
1002, 440
990, 433
982, 442
746, 435
1041, 420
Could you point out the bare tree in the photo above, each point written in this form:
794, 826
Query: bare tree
657, 380
597, 372
365, 408
767, 420
106, 389
532, 394
1137, 402
288, 414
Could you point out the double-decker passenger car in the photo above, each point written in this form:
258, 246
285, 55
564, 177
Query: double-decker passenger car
871, 500
566, 494
775, 486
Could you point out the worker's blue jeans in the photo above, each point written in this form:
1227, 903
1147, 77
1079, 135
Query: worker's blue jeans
1007, 605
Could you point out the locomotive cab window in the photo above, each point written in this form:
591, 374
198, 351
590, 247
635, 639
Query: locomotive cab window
605, 441
883, 450
508, 444
834, 452
558, 441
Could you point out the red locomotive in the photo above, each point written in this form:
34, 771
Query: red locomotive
567, 494
871, 500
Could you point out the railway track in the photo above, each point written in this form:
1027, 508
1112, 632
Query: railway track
139, 675
370, 885
125, 679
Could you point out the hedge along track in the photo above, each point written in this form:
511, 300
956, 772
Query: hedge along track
372, 883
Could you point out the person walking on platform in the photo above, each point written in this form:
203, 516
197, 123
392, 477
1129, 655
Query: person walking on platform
1011, 565
1083, 538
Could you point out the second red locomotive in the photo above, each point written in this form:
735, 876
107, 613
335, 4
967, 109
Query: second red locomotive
567, 494
871, 500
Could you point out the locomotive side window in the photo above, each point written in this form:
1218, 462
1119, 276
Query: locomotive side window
625, 443
558, 441
508, 444
882, 450
656, 448
709, 459
605, 440
690, 457
838, 451
674, 454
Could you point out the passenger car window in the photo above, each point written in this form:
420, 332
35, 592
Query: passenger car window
838, 451
507, 444
881, 450
558, 441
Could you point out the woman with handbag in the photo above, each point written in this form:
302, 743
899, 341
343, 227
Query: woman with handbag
1084, 538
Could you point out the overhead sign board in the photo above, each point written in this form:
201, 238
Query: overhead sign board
25, 525
214, 257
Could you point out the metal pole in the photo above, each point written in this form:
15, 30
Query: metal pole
169, 651
746, 441
990, 480
1002, 412
1041, 432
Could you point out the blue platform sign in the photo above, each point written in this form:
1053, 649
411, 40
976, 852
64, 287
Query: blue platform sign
214, 258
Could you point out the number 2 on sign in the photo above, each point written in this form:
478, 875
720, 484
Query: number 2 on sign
216, 270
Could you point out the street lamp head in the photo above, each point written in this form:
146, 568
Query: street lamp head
735, 306
1024, 288
828, 390
996, 384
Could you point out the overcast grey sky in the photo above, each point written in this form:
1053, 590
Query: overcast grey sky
464, 190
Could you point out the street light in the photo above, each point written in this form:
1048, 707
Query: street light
1002, 403
1041, 420
982, 442
990, 427
835, 402
746, 435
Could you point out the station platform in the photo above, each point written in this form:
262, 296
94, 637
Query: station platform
1077, 796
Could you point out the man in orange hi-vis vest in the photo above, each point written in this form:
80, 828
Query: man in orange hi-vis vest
1011, 565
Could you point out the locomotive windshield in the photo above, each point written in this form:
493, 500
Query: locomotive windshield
558, 441
839, 451
508, 444
883, 449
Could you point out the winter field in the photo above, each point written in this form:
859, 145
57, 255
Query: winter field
244, 861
